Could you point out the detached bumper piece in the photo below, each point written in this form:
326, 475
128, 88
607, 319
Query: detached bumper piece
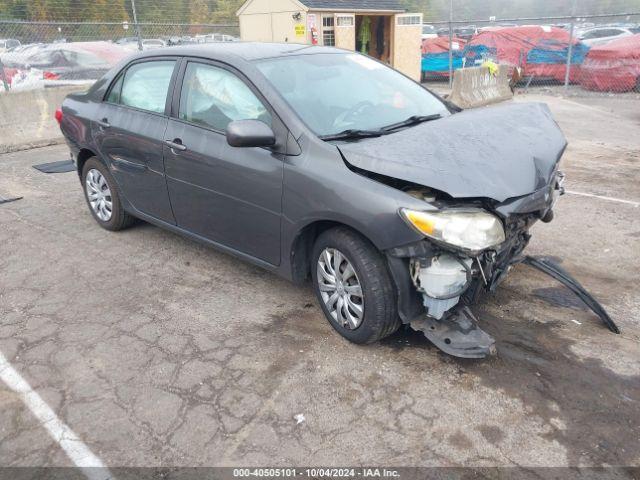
56, 167
561, 275
458, 334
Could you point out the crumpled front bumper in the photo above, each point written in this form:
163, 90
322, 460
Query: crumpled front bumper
447, 320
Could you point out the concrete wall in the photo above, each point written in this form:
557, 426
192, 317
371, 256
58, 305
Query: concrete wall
27, 118
272, 21
476, 86
256, 28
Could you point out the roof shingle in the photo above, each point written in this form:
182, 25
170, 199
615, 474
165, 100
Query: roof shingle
350, 5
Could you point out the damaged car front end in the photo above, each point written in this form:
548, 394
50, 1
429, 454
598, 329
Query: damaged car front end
479, 207
467, 252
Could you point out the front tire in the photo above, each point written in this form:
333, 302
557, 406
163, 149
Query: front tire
354, 287
103, 197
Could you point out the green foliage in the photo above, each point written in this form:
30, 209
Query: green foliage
223, 11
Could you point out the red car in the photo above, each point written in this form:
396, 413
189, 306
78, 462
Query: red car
613, 67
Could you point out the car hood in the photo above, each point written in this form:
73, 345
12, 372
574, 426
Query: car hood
498, 152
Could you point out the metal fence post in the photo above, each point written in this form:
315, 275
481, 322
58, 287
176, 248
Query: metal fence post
451, 44
569, 53
135, 24
574, 8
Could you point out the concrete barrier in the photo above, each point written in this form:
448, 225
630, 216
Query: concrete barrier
27, 117
476, 86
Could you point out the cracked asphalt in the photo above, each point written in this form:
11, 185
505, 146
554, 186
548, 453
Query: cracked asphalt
157, 351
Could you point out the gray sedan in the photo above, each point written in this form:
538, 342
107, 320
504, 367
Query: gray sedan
322, 163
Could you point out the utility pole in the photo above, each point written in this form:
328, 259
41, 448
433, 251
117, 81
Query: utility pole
135, 24
570, 49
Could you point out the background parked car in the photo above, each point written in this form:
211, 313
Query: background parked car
68, 61
429, 31
465, 33
614, 67
8, 43
214, 37
603, 35
147, 43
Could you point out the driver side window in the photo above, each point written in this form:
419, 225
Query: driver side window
214, 97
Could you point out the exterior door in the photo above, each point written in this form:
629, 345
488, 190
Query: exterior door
406, 34
232, 196
345, 31
130, 135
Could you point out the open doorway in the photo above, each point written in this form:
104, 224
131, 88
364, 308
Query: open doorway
373, 36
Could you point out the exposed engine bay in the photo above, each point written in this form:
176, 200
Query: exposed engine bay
449, 280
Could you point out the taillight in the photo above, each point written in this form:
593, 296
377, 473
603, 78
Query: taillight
50, 76
58, 115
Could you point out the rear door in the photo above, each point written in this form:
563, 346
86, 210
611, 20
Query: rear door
232, 196
130, 133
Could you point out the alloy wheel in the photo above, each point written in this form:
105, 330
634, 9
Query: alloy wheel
340, 288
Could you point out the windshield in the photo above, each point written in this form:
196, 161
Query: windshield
336, 92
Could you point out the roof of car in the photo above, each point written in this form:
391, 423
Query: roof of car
246, 50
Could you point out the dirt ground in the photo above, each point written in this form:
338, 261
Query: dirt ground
157, 351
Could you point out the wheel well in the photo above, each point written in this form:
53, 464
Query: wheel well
83, 155
303, 244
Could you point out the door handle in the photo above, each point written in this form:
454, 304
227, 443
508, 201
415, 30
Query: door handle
104, 123
176, 144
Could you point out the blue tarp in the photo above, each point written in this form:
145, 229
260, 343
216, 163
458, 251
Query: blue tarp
542, 55
439, 62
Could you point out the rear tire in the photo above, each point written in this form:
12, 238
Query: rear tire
103, 197
362, 285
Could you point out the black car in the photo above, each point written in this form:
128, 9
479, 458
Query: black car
317, 162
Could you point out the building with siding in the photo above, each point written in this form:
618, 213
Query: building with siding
378, 28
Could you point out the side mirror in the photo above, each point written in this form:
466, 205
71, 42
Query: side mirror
250, 133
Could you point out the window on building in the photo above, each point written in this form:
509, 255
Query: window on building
345, 20
328, 32
409, 20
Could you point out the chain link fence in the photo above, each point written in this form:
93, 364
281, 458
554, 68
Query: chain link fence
587, 55
46, 43
569, 47
578, 47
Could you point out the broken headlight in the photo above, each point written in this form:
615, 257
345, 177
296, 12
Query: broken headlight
469, 229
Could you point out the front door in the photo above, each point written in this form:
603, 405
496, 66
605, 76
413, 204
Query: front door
130, 135
232, 196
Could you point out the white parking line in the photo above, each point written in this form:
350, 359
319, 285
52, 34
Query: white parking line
602, 197
76, 450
